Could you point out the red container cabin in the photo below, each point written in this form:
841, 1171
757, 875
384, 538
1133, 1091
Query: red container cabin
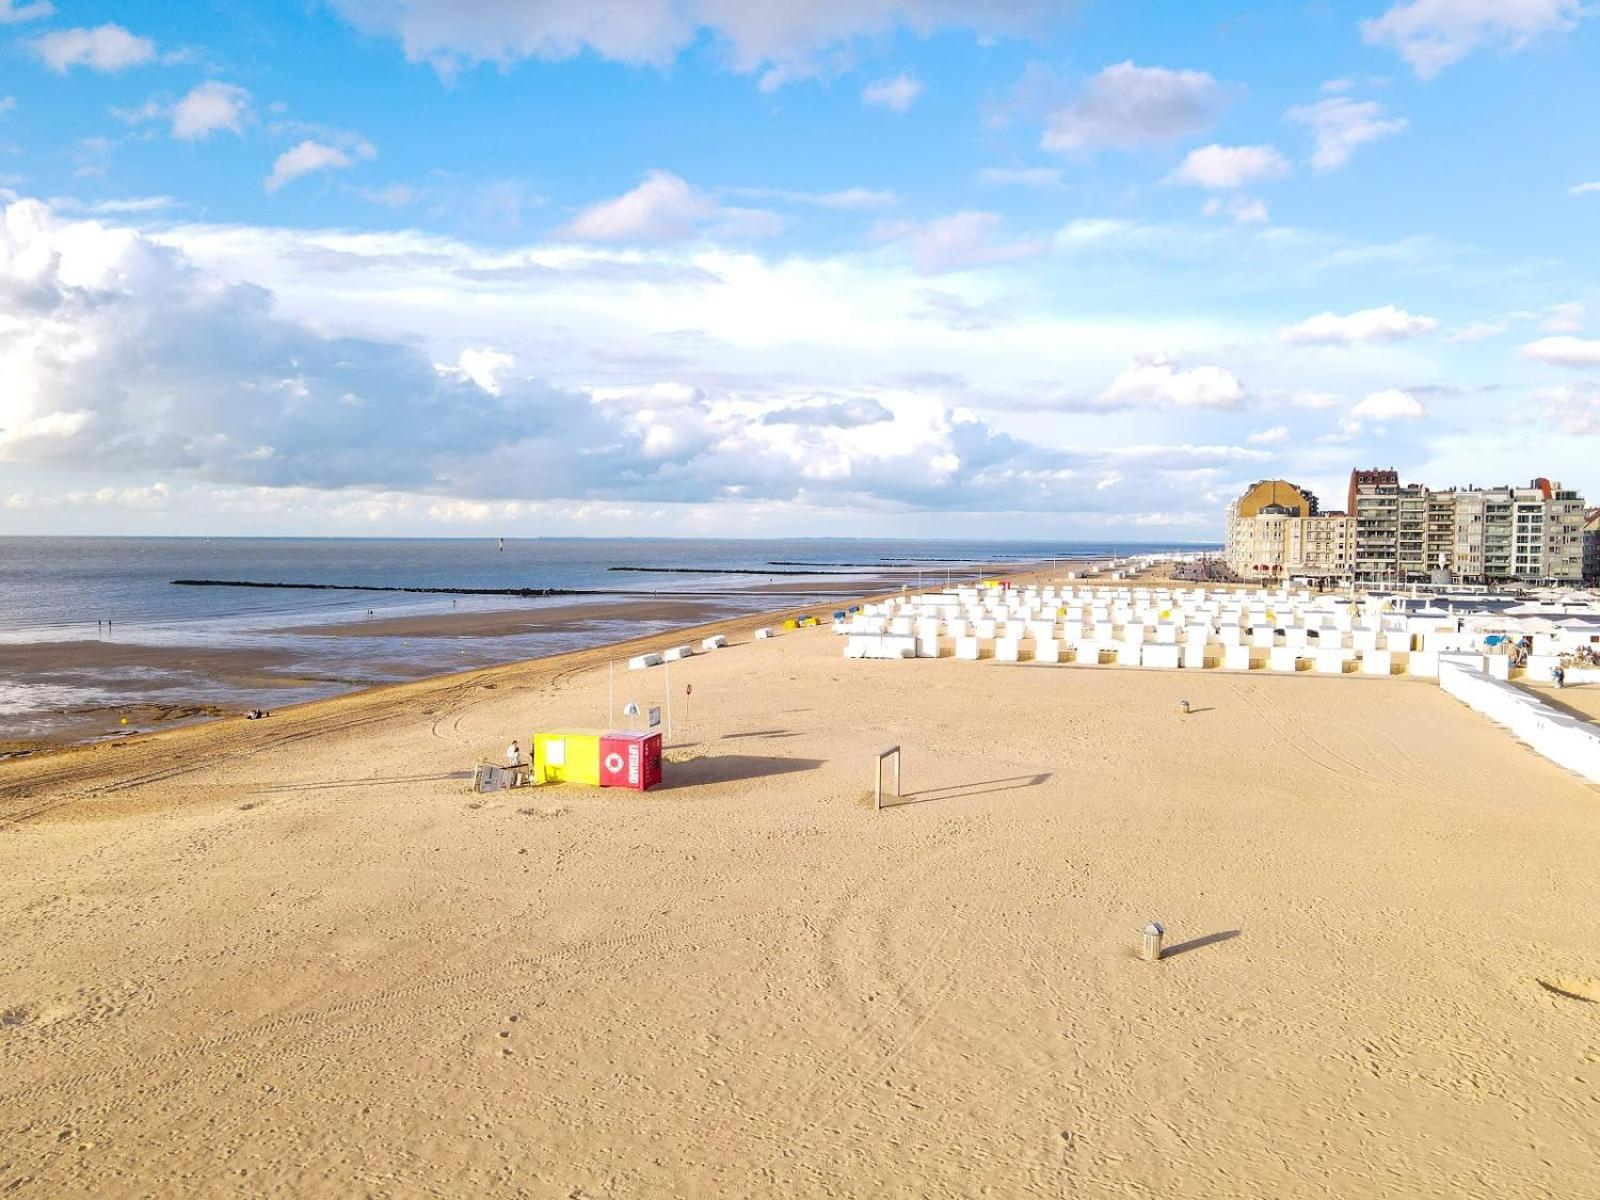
630, 760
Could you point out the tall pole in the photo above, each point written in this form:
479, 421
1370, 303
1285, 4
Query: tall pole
669, 697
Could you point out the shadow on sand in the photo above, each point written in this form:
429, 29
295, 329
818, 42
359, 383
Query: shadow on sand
962, 791
1552, 697
729, 768
314, 786
1200, 943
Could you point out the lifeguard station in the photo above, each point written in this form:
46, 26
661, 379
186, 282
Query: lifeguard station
616, 759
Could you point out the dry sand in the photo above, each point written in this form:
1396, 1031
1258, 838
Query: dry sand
502, 622
295, 957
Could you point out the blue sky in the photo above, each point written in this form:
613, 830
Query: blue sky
891, 267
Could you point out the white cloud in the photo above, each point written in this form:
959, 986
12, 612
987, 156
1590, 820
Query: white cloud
150, 110
1156, 381
666, 208
484, 366
13, 13
855, 199
117, 207
1386, 324
1478, 331
897, 94
1043, 178
1565, 318
1245, 210
1085, 232
1307, 398
209, 107
1220, 167
1334, 87
1564, 351
1584, 188
960, 241
661, 208
1574, 410
784, 39
1269, 437
278, 368
1391, 404
851, 199
1339, 126
394, 195
309, 156
1432, 34
8, 105
1127, 106
103, 48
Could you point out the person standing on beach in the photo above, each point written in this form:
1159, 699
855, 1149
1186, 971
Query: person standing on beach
513, 755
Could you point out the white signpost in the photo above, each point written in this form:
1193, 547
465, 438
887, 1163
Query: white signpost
877, 801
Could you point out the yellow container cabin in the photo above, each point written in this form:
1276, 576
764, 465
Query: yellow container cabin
567, 756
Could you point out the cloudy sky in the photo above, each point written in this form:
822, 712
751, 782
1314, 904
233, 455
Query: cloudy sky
1064, 268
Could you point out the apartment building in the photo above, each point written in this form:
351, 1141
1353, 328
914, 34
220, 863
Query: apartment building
1410, 533
1276, 531
1376, 557
1398, 533
1591, 547
1326, 542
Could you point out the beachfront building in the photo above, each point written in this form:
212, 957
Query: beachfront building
1321, 546
1409, 533
1397, 533
1591, 547
1391, 522
1371, 477
1276, 531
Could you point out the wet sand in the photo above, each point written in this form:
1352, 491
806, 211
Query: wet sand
116, 669
565, 618
264, 677
211, 681
298, 957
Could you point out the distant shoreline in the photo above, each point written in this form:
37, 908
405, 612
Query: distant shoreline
270, 678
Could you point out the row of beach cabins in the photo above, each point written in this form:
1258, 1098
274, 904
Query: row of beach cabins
1171, 628
1469, 652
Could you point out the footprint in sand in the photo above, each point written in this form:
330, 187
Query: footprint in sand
78, 1005
18, 1015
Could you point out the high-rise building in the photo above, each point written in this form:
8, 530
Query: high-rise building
1390, 530
1411, 534
1591, 547
1375, 477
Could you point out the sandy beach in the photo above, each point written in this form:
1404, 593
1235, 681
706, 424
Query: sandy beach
298, 957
